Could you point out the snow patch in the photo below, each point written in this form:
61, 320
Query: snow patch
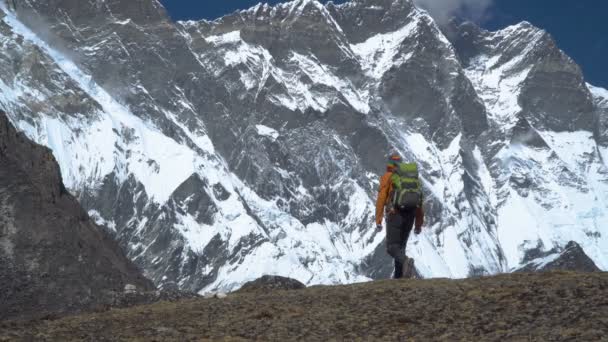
322, 74
378, 53
600, 94
267, 132
226, 38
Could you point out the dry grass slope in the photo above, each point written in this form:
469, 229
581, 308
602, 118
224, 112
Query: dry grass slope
521, 307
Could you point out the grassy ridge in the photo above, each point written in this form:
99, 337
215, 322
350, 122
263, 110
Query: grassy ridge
548, 306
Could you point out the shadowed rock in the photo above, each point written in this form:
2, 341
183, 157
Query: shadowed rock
53, 258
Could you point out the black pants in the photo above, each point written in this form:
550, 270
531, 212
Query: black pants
398, 229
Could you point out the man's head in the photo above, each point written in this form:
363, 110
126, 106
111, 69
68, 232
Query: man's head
393, 160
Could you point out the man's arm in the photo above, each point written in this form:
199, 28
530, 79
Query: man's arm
383, 192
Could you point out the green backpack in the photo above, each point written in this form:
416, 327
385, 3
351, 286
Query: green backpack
407, 190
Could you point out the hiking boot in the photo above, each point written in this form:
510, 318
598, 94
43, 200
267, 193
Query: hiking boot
408, 268
398, 270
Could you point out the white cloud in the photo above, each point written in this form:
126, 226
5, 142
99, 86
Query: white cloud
443, 10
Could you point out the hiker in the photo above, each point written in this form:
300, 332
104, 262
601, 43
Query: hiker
400, 196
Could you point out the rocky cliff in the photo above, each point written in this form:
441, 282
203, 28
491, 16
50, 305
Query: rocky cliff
53, 258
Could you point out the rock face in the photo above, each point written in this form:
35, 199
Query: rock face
218, 152
571, 258
53, 258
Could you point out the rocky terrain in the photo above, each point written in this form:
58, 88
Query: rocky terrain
516, 307
53, 258
220, 151
570, 258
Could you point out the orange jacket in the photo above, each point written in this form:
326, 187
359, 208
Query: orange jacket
384, 195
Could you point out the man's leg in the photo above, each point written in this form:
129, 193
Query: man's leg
398, 273
394, 238
406, 229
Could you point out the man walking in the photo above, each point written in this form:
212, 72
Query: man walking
400, 196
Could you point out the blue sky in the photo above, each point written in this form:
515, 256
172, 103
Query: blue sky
580, 27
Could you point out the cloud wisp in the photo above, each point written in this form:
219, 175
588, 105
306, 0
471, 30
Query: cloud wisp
443, 10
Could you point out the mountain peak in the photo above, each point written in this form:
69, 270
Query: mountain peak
302, 26
301, 5
362, 19
141, 12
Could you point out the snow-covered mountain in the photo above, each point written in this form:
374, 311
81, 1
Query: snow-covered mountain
220, 151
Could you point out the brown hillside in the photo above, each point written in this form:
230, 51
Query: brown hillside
526, 307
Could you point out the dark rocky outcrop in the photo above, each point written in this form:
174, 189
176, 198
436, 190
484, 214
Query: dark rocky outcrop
269, 282
53, 258
570, 258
